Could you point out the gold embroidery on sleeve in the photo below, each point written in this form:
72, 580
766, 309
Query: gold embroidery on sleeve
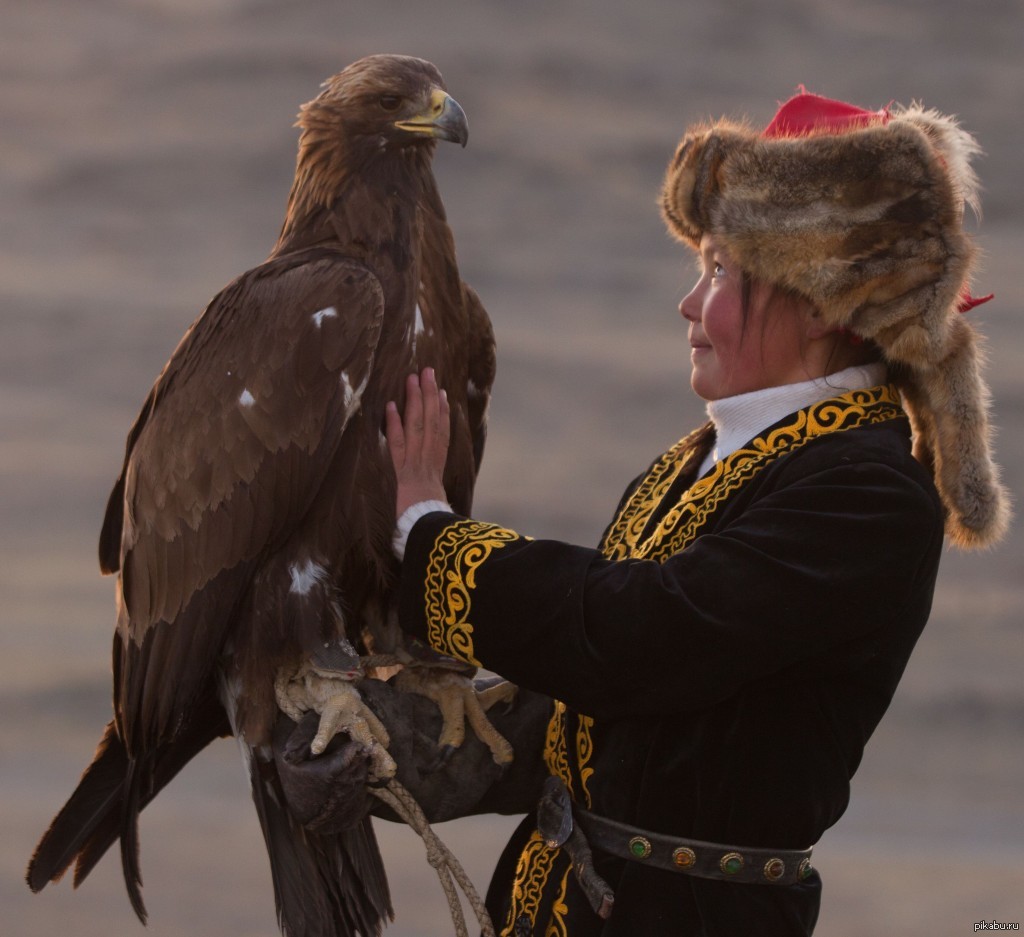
451, 578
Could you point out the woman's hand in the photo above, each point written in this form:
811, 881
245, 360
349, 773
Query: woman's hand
418, 443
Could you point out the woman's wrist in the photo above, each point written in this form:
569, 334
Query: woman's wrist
408, 518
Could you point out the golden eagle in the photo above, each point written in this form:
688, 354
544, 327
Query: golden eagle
252, 520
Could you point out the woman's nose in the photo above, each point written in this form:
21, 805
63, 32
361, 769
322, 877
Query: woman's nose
689, 307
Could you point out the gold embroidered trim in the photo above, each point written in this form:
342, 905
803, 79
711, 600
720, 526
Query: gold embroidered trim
625, 531
556, 750
451, 578
532, 871
584, 752
557, 926
679, 527
555, 754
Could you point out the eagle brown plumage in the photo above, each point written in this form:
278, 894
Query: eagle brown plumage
253, 517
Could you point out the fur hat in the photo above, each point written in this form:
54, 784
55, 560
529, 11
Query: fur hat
861, 213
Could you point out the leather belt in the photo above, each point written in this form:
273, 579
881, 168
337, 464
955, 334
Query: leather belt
564, 823
694, 856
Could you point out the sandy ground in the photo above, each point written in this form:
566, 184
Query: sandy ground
145, 157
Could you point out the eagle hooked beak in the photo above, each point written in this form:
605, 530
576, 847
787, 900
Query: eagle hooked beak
443, 119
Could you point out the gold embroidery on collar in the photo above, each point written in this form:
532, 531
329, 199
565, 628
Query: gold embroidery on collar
625, 531
679, 526
451, 578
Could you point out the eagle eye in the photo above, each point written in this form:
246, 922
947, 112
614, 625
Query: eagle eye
390, 102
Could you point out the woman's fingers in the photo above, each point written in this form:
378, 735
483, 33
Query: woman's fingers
412, 422
418, 440
444, 429
435, 423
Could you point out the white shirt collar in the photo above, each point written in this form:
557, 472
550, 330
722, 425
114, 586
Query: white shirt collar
739, 419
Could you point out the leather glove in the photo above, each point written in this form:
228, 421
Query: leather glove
327, 793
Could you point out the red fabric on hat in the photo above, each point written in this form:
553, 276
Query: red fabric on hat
805, 112
968, 302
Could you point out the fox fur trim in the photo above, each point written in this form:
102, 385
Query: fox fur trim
867, 225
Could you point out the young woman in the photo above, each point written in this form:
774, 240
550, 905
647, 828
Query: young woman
720, 660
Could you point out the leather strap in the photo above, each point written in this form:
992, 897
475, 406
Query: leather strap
693, 856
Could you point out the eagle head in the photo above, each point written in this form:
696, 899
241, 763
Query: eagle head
385, 102
374, 124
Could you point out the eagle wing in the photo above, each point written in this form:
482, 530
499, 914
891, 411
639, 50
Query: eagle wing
233, 443
482, 366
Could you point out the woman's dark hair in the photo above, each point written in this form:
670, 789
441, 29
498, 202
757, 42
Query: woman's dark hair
746, 288
870, 351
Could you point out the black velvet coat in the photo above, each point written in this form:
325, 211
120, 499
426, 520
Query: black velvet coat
719, 662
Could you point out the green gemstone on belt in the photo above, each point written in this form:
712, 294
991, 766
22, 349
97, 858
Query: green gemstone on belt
731, 863
639, 847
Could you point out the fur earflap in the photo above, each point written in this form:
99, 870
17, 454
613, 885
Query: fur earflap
866, 224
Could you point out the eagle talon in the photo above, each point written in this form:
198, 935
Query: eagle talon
327, 686
459, 702
441, 758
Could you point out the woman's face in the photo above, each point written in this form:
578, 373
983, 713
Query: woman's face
732, 357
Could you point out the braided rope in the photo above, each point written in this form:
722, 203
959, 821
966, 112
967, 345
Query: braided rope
439, 856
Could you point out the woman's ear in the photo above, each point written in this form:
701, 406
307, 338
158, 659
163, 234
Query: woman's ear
815, 326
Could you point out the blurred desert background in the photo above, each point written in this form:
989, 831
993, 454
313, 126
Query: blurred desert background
146, 151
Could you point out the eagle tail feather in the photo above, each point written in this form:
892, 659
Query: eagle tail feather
325, 885
211, 723
91, 821
130, 809
97, 796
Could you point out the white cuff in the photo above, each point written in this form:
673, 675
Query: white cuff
408, 519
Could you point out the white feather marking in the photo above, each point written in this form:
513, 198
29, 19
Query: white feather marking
329, 313
245, 398
347, 385
472, 391
349, 390
305, 575
415, 330
352, 394
230, 692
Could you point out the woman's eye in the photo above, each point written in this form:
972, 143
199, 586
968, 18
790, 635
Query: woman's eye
717, 270
390, 102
